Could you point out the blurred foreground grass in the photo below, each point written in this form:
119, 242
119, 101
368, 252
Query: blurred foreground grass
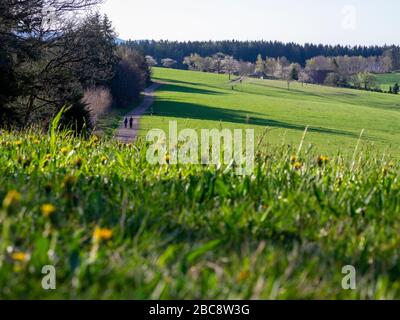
115, 226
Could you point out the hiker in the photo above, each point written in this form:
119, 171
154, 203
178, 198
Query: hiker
126, 123
130, 122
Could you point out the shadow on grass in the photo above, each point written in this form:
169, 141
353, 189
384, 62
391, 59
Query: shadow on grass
340, 97
221, 85
172, 87
292, 94
184, 110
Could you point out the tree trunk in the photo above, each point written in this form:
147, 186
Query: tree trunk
29, 109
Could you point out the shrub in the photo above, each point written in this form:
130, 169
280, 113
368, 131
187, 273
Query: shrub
332, 79
98, 101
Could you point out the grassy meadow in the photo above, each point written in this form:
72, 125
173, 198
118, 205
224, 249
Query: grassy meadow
116, 227
335, 116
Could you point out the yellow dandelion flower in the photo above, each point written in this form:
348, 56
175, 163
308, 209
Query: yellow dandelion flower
385, 170
18, 143
20, 256
47, 157
297, 165
64, 151
12, 198
167, 158
322, 160
47, 209
293, 159
102, 234
242, 276
78, 162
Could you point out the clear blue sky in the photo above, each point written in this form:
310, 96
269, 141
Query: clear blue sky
351, 22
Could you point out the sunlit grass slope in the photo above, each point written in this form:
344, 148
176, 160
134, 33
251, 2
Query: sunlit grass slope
335, 116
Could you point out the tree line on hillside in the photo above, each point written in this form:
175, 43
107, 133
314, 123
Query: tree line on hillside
219, 63
57, 53
249, 50
342, 71
352, 72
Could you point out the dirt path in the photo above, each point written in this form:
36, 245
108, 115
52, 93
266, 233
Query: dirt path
129, 135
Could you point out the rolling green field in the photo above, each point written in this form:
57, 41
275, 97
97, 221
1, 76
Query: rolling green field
335, 116
388, 80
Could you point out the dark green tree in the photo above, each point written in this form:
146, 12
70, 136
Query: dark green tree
294, 74
396, 88
131, 77
96, 40
38, 53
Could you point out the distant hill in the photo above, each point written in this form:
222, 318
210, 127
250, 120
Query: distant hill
120, 41
249, 50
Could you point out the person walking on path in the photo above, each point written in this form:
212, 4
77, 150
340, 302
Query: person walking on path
130, 122
128, 136
126, 122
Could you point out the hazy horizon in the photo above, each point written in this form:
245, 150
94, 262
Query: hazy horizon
345, 22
